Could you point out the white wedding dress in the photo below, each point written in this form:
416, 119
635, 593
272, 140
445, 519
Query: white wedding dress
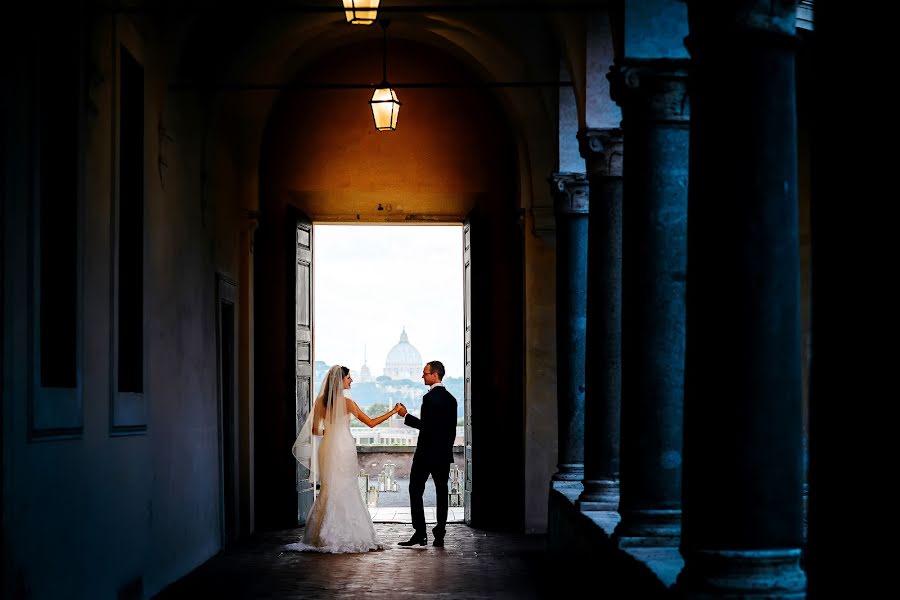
338, 521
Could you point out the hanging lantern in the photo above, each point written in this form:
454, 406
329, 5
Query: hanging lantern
385, 109
384, 102
361, 12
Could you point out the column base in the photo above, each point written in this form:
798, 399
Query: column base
570, 489
599, 494
569, 472
648, 528
774, 574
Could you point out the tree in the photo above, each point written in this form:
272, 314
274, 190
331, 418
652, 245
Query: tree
373, 410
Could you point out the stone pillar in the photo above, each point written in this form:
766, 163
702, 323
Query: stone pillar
602, 152
653, 97
570, 202
743, 470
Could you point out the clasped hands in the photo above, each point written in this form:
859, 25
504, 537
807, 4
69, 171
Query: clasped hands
400, 409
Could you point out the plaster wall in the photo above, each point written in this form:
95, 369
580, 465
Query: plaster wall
655, 29
324, 155
570, 160
96, 513
541, 417
601, 111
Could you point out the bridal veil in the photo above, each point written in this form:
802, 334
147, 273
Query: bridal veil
328, 411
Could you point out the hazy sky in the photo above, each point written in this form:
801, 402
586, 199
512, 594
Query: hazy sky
370, 281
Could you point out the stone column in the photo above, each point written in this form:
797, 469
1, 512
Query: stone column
743, 423
653, 97
570, 202
602, 152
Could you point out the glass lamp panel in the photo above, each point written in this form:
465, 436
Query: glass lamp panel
385, 109
361, 12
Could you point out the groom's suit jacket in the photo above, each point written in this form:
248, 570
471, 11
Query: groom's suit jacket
437, 427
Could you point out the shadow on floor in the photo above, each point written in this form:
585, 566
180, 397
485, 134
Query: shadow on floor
473, 564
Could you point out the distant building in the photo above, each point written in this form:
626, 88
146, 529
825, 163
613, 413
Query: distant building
397, 434
320, 369
403, 361
365, 375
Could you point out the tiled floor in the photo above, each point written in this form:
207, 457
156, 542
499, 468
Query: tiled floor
474, 564
401, 514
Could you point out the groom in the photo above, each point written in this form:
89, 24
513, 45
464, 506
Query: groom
434, 453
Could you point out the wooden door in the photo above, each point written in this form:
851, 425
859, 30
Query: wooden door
300, 351
467, 364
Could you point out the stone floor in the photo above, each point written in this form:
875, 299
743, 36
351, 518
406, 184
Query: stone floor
401, 514
400, 498
474, 564
393, 507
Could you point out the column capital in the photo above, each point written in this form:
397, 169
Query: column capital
570, 193
653, 90
602, 151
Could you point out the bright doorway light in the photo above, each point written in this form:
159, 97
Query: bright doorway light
373, 282
387, 299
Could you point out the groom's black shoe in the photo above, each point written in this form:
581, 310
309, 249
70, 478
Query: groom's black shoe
438, 537
417, 538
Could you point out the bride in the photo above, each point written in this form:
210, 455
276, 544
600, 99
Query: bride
338, 520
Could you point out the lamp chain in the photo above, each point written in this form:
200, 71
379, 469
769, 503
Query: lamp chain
384, 24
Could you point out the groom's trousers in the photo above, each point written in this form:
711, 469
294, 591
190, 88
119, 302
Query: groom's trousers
418, 475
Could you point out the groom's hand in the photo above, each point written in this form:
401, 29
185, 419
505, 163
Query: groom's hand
402, 411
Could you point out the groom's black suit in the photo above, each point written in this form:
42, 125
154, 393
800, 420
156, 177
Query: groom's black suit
434, 453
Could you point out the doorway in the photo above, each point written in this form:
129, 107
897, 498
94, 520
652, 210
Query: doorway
228, 409
388, 299
456, 169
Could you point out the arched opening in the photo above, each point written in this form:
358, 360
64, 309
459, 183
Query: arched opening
452, 159
387, 299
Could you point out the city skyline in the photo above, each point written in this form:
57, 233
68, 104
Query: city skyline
370, 283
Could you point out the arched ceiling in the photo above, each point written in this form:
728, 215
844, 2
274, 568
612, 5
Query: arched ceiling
451, 150
275, 47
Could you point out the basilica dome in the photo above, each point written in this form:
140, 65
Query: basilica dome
403, 361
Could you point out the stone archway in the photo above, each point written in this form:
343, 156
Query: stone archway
452, 156
273, 50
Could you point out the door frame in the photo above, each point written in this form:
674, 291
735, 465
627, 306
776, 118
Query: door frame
467, 367
300, 344
229, 417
